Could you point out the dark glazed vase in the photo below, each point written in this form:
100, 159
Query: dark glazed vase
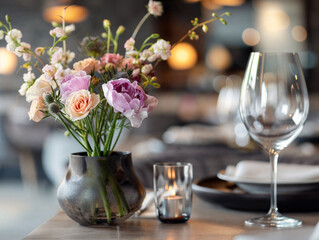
100, 191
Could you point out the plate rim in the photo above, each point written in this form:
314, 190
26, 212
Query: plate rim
222, 176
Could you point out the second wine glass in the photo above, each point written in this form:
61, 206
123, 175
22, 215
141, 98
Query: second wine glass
274, 106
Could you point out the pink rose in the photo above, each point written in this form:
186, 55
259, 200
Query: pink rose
111, 58
36, 108
73, 83
79, 104
129, 99
89, 65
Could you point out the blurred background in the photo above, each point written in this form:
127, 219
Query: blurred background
198, 100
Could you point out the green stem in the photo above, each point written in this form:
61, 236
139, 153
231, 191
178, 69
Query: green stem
110, 136
106, 202
116, 193
63, 27
139, 25
96, 149
70, 131
108, 38
118, 136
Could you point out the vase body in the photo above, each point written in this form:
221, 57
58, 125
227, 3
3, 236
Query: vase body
100, 191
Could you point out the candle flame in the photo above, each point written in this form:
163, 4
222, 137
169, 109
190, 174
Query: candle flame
172, 191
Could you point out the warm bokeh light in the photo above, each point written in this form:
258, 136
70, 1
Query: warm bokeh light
8, 61
219, 58
299, 33
229, 2
73, 14
274, 19
184, 56
250, 36
210, 5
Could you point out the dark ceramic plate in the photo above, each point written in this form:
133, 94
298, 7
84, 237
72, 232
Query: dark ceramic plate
227, 194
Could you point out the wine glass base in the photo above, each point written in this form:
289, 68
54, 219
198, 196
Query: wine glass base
275, 220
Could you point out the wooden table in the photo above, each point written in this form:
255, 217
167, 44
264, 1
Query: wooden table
207, 221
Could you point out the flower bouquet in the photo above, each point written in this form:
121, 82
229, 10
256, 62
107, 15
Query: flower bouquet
95, 99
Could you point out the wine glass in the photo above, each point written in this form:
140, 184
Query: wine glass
273, 107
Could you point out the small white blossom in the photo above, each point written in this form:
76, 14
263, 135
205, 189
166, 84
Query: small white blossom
146, 69
129, 44
49, 72
155, 8
57, 56
28, 77
153, 58
70, 28
145, 54
1, 34
23, 89
57, 32
60, 74
69, 56
13, 35
136, 72
39, 51
132, 53
22, 50
162, 48
11, 46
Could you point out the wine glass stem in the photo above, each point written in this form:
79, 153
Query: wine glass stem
273, 157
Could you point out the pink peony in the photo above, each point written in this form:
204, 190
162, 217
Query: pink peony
111, 58
129, 99
89, 65
74, 82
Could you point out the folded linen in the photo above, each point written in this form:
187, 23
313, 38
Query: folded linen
259, 171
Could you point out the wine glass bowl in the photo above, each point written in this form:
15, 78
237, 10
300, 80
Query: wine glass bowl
274, 106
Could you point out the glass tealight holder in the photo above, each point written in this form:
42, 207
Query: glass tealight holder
173, 191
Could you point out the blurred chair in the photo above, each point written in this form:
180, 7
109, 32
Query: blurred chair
27, 138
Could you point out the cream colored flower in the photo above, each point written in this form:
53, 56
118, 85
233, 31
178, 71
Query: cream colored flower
88, 65
79, 104
36, 109
23, 89
39, 87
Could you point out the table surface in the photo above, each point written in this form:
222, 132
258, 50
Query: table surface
208, 221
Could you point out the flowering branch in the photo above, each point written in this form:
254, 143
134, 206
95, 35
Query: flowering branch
191, 33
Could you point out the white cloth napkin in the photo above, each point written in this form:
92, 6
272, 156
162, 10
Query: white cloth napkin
260, 172
303, 233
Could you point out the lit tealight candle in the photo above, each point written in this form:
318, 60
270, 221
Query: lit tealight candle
172, 207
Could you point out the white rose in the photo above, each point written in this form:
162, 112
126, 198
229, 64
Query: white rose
37, 90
